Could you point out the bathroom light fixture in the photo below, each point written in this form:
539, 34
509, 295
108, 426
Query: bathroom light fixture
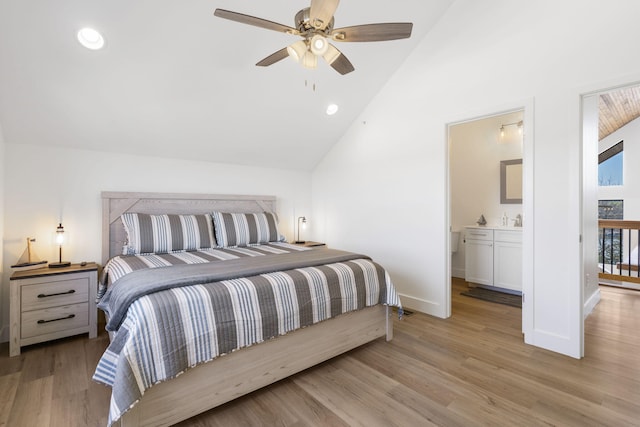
59, 242
304, 224
519, 124
90, 38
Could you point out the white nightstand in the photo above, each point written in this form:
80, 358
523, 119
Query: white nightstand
50, 303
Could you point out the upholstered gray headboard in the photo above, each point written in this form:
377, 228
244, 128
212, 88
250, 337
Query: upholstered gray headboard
115, 204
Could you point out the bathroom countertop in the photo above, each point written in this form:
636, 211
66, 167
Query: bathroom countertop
495, 227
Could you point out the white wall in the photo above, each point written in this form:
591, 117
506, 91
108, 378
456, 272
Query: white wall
382, 189
475, 151
45, 185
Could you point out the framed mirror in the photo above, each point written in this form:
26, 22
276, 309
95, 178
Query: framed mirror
511, 181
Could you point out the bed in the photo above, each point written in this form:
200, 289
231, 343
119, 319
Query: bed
278, 310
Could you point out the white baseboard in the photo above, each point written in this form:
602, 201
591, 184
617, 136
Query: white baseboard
421, 305
619, 284
591, 303
457, 272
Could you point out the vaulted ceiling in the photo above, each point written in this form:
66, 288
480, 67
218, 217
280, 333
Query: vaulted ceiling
617, 108
175, 81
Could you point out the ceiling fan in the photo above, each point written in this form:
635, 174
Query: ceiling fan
315, 25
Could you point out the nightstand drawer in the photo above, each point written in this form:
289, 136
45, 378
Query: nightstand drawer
52, 294
51, 320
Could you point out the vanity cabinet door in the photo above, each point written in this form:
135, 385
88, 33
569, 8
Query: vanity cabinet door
508, 265
479, 261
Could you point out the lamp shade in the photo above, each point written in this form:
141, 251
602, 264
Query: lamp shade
319, 45
59, 235
59, 241
331, 54
297, 50
309, 60
301, 220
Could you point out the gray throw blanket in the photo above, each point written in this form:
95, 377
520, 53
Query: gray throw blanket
125, 291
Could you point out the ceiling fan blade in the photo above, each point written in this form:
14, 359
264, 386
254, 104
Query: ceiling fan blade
373, 32
338, 61
252, 20
273, 58
342, 65
322, 12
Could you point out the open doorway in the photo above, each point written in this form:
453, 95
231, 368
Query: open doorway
608, 118
610, 185
485, 181
519, 120
618, 186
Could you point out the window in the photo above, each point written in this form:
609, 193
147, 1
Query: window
610, 209
610, 165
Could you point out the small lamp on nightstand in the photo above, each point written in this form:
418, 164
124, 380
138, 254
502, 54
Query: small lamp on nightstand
304, 224
59, 242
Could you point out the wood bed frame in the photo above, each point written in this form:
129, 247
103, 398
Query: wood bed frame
228, 377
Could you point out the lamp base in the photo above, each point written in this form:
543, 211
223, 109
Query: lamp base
59, 264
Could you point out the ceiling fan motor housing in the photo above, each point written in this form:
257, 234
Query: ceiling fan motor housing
305, 26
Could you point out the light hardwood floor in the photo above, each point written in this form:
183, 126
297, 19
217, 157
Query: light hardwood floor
471, 369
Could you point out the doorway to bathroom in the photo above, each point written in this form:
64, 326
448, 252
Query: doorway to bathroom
486, 206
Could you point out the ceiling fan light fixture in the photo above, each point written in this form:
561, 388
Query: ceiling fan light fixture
297, 50
309, 60
319, 45
331, 54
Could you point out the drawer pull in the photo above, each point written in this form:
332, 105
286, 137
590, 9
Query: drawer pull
71, 316
72, 291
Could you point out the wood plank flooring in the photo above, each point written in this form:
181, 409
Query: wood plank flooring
471, 369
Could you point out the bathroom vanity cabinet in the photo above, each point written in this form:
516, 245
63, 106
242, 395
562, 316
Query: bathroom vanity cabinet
493, 257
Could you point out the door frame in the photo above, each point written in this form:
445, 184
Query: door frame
588, 149
527, 107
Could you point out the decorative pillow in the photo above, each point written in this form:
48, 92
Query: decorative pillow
167, 233
242, 229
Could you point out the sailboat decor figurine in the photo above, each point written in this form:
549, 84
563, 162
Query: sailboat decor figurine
28, 257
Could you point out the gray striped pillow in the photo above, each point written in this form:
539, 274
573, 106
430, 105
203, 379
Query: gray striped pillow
167, 233
242, 229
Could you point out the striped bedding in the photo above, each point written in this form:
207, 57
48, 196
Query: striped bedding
168, 331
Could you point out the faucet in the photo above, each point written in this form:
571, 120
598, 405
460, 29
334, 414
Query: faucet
518, 221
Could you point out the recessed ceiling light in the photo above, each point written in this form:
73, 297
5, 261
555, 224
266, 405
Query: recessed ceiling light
332, 109
90, 38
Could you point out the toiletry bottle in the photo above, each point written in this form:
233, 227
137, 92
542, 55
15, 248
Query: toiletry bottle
505, 219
